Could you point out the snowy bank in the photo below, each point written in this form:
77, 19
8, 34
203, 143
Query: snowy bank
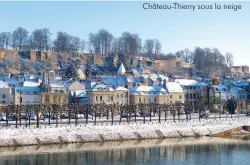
106, 132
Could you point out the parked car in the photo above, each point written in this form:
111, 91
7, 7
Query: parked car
135, 114
2, 117
147, 114
125, 115
247, 113
202, 115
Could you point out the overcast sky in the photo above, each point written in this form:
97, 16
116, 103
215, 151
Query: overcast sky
227, 30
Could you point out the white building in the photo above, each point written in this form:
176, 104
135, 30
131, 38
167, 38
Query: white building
28, 93
6, 94
225, 92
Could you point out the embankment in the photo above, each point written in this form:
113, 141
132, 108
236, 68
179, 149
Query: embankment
120, 132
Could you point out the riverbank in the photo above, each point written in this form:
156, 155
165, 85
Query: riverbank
117, 145
45, 135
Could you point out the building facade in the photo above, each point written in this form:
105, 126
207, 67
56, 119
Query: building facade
148, 94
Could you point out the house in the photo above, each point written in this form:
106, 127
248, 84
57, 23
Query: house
6, 94
148, 94
227, 92
175, 93
194, 91
54, 98
77, 92
104, 93
26, 87
28, 92
54, 92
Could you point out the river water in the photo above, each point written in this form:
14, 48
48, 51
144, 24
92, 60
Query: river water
208, 151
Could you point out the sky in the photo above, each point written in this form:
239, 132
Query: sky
176, 29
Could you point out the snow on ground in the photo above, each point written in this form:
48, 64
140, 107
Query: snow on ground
106, 132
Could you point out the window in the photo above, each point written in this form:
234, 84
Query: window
3, 102
21, 99
187, 96
139, 100
112, 98
170, 96
149, 100
191, 96
117, 95
170, 102
180, 97
47, 99
194, 96
96, 98
155, 100
125, 95
100, 98
144, 100
4, 96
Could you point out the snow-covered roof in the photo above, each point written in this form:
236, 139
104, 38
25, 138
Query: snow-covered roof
79, 93
220, 88
59, 84
121, 70
150, 90
27, 90
134, 79
30, 84
223, 88
236, 89
3, 84
101, 87
242, 83
189, 82
113, 80
119, 88
173, 87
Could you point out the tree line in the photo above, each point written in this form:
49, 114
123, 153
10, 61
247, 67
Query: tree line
101, 42
208, 60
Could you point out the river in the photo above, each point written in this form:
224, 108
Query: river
184, 151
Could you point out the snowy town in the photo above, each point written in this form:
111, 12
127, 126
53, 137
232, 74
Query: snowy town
85, 79
110, 88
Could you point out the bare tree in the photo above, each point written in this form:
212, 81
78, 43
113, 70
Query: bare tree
157, 47
186, 55
229, 59
38, 38
76, 44
83, 45
47, 36
20, 36
149, 46
66, 43
5, 39
129, 44
179, 54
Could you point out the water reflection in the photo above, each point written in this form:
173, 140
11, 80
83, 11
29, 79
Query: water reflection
201, 154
